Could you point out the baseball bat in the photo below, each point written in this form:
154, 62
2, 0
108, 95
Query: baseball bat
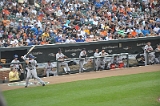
31, 49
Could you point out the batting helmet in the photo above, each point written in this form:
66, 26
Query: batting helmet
15, 56
31, 56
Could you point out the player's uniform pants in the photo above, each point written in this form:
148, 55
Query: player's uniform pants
81, 64
32, 72
102, 63
51, 72
97, 63
66, 68
150, 57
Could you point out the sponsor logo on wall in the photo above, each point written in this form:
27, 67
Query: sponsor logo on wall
51, 54
37, 53
73, 54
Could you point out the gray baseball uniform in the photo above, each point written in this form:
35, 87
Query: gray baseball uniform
31, 70
15, 65
151, 55
82, 56
102, 60
157, 54
97, 60
48, 68
61, 55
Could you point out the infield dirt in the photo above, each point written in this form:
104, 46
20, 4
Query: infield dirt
91, 75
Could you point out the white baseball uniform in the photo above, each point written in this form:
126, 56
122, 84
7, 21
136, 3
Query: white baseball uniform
61, 55
151, 55
157, 55
48, 68
102, 59
97, 60
15, 65
31, 71
82, 56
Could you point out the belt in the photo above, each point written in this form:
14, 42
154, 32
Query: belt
30, 68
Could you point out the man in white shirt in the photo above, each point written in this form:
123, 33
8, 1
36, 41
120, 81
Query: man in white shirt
97, 60
70, 40
14, 42
156, 29
157, 54
148, 53
82, 57
102, 59
60, 58
48, 69
95, 22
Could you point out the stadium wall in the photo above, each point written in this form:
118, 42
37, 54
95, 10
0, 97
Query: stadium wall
47, 52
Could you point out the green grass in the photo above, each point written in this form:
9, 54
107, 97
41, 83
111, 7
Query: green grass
131, 90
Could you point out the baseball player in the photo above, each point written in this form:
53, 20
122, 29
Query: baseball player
148, 49
48, 69
82, 57
116, 60
60, 56
157, 54
31, 69
18, 66
102, 59
97, 60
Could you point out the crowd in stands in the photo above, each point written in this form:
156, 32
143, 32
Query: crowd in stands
71, 21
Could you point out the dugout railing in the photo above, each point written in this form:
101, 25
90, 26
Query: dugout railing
125, 57
91, 59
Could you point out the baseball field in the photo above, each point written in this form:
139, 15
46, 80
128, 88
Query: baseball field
121, 87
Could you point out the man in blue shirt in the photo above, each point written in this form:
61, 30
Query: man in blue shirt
35, 29
98, 4
145, 31
39, 32
80, 39
58, 39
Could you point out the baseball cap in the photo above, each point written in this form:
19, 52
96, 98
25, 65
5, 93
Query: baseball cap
84, 49
15, 56
59, 49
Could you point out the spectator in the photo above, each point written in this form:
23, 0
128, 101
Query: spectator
146, 31
70, 40
80, 39
54, 20
156, 29
13, 75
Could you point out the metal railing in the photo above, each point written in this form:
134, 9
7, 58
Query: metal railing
93, 58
